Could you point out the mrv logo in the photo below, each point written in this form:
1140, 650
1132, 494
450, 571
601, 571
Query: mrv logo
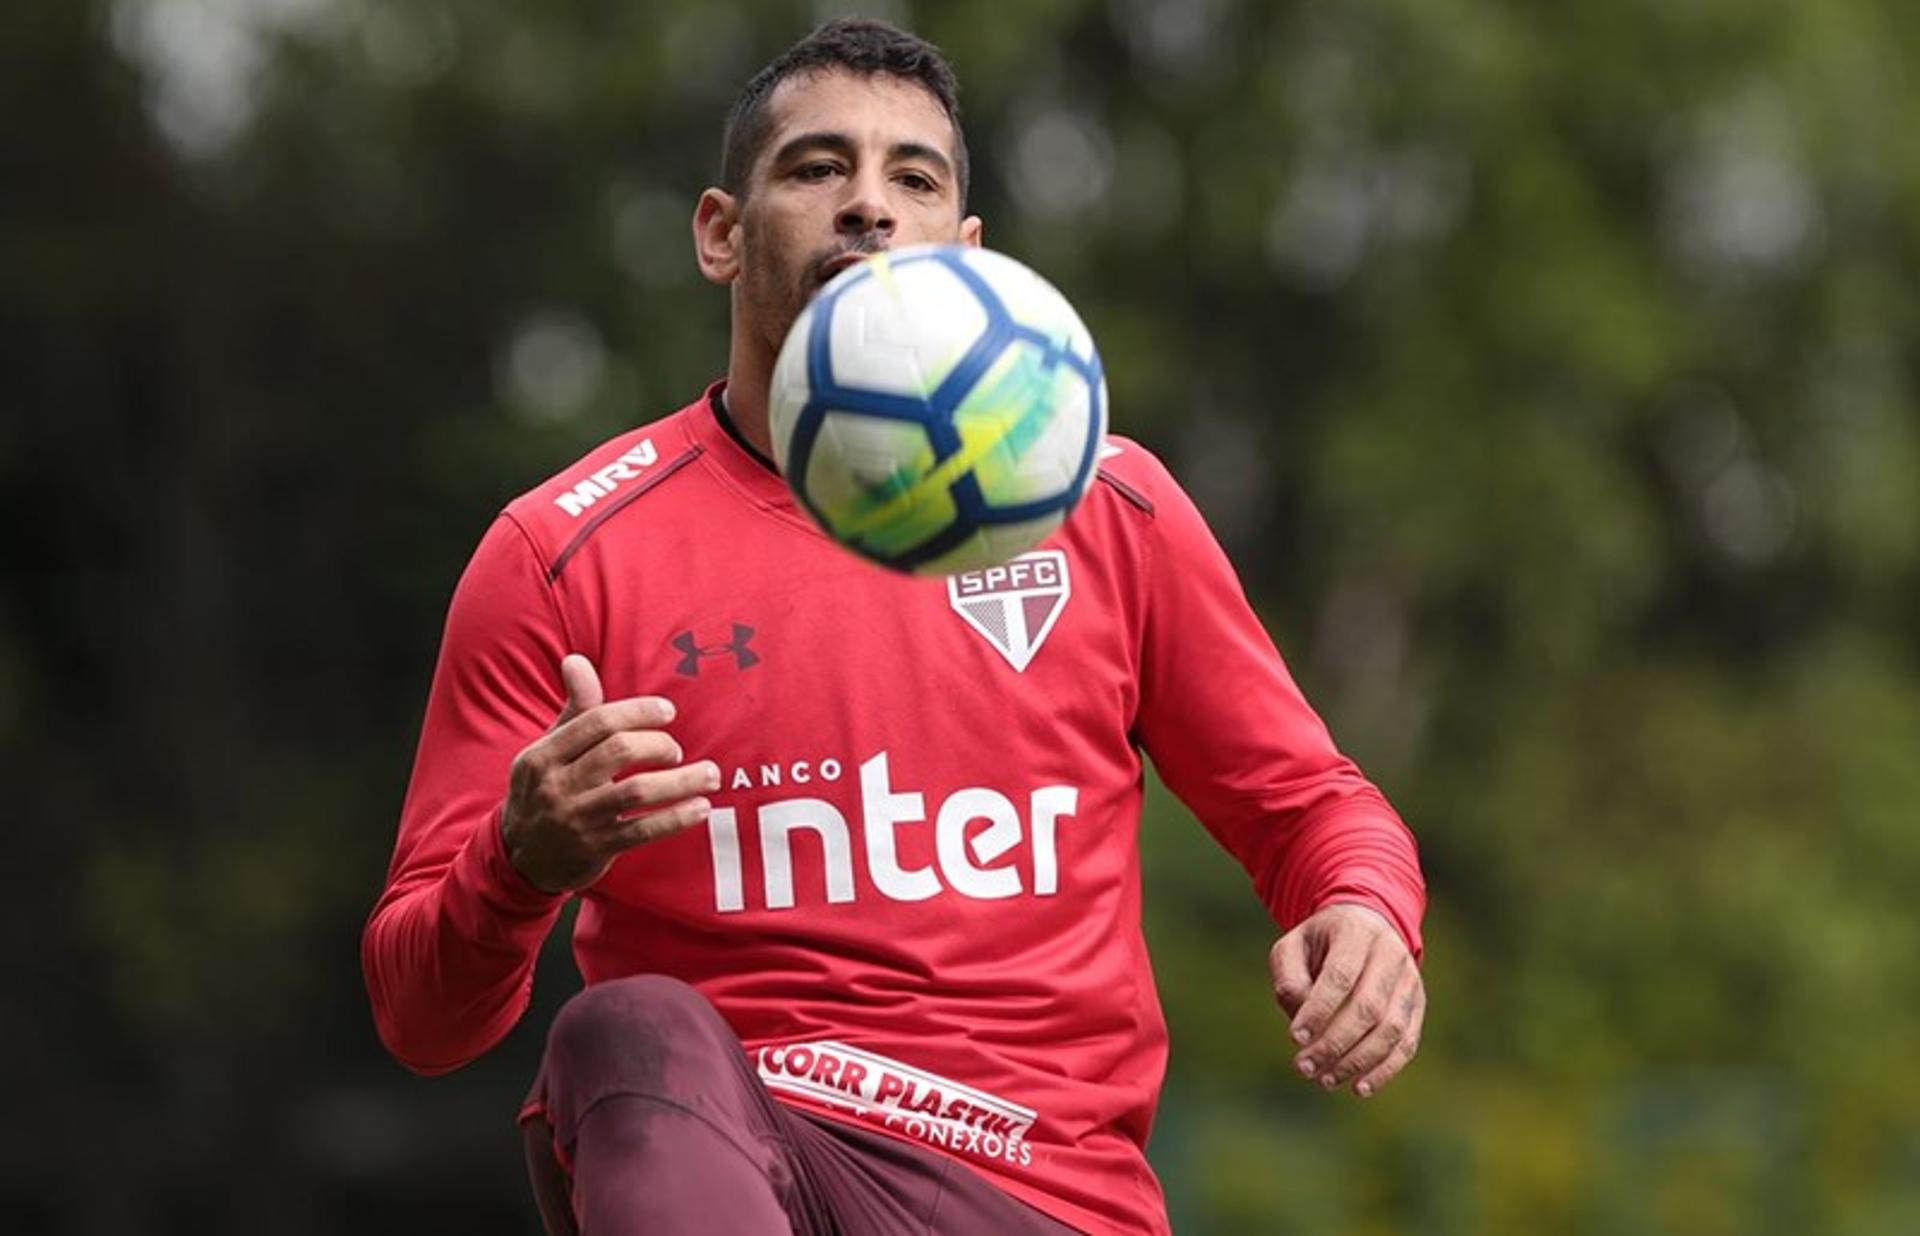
974, 862
605, 480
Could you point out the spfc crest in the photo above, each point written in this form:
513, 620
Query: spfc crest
1014, 605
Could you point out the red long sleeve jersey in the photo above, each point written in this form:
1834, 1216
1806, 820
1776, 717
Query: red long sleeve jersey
918, 897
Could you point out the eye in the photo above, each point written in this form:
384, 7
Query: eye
918, 182
819, 169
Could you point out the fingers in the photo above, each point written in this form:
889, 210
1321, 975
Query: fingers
665, 822
627, 799
1365, 1031
620, 751
1359, 1020
1402, 1050
575, 737
648, 806
1339, 974
605, 778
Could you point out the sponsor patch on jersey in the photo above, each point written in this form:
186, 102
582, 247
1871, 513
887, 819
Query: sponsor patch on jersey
604, 480
1015, 605
924, 1106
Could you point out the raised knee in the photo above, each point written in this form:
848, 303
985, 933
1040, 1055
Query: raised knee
632, 1029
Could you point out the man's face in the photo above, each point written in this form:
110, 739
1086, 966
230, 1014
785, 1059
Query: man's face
854, 164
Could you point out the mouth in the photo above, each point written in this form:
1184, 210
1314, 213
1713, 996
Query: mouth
825, 272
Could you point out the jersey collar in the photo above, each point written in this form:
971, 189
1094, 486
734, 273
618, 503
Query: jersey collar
728, 449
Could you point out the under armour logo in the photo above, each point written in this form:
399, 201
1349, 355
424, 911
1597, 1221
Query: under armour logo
693, 651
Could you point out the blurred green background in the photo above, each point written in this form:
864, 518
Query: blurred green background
1548, 368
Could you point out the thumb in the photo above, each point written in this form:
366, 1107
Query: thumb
582, 682
1292, 975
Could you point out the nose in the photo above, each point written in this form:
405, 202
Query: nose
866, 208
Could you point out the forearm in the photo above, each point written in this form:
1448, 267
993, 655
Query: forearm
449, 954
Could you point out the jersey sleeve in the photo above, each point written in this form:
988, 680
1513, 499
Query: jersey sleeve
449, 950
1233, 737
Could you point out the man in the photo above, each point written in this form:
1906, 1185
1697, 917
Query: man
859, 891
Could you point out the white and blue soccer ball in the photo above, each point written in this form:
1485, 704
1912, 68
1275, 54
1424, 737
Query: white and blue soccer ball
938, 409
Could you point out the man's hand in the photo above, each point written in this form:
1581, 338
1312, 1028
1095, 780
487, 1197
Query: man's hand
605, 778
1354, 994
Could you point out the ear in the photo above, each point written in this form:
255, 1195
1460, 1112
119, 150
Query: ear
716, 236
971, 229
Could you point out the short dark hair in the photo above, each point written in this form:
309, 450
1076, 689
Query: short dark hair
856, 45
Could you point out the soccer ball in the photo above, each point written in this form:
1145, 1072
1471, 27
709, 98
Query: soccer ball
938, 408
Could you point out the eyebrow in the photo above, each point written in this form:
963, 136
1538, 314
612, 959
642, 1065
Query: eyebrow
842, 144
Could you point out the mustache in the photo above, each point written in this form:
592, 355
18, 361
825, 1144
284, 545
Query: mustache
865, 244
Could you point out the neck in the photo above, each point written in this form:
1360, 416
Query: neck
749, 375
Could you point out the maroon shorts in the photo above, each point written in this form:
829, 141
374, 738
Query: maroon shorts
648, 1117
